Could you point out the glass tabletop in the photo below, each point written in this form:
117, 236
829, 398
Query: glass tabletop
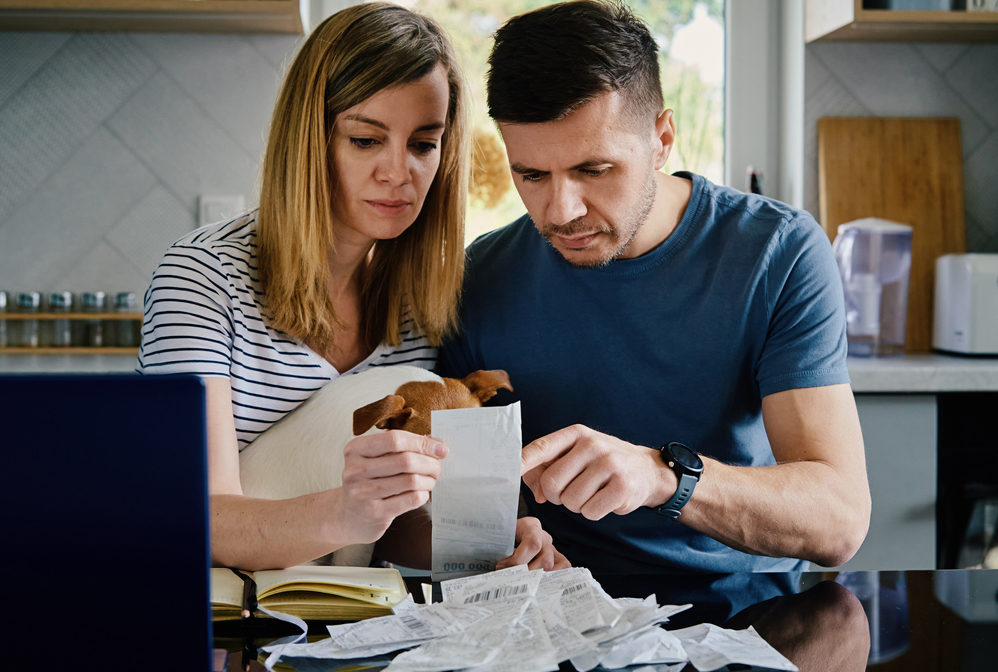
887, 620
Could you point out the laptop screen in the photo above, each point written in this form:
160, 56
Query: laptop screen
105, 520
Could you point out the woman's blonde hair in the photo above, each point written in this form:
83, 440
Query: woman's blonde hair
348, 58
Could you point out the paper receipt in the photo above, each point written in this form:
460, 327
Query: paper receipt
475, 499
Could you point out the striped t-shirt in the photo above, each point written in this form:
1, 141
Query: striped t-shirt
204, 315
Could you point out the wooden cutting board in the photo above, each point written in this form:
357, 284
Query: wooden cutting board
905, 170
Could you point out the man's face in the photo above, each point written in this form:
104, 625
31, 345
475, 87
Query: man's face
589, 180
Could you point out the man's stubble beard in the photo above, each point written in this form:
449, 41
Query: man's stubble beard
623, 237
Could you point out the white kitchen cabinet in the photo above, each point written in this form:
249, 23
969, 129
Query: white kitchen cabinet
899, 431
199, 16
828, 20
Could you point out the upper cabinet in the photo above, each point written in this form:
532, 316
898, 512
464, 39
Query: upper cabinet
198, 16
857, 20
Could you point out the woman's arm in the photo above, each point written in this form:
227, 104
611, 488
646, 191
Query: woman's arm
385, 475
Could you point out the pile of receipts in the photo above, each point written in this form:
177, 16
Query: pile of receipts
524, 620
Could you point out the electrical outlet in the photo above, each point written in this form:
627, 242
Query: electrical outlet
214, 208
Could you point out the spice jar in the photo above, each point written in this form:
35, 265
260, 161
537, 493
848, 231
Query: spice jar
94, 302
27, 334
3, 322
127, 331
60, 334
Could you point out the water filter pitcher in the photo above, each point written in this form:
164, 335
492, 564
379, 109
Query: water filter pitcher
874, 258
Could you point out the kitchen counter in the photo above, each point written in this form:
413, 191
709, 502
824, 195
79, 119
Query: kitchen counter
927, 374
26, 363
930, 373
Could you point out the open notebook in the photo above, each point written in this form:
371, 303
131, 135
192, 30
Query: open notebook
105, 522
311, 591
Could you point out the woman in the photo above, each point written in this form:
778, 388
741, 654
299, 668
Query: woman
353, 259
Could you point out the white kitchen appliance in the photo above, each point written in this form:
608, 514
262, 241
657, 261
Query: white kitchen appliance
965, 316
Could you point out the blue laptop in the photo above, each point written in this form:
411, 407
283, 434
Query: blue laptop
105, 560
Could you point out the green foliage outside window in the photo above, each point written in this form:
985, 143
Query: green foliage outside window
697, 100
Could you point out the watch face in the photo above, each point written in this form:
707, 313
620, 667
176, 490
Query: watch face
685, 457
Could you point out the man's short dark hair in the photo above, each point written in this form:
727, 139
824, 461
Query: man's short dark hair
551, 61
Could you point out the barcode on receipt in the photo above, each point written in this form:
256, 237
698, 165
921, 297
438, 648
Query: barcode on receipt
481, 525
416, 626
496, 593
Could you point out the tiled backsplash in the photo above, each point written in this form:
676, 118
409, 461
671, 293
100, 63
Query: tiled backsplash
108, 139
913, 80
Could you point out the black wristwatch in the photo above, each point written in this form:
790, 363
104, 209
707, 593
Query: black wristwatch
688, 467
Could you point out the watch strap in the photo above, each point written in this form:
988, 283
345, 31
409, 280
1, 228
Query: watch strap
673, 507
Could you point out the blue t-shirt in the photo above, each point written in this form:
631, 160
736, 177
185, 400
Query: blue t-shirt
741, 301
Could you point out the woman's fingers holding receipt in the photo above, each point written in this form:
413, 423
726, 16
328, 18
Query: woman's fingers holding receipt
385, 475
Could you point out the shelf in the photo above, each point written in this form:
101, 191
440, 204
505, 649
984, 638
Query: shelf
68, 351
846, 20
191, 16
46, 318
71, 316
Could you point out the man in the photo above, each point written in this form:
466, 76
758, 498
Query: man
652, 310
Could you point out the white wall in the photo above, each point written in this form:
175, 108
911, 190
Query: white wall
108, 139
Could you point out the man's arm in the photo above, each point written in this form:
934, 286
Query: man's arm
813, 504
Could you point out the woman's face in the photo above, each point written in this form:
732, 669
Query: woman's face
385, 153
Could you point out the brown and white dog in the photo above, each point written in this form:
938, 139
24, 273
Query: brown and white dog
410, 406
303, 453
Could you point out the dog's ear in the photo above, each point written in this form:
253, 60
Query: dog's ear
484, 384
388, 413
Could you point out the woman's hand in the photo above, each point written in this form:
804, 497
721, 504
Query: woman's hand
384, 476
534, 548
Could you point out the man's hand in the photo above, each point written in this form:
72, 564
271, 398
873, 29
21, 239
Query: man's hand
534, 548
595, 474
